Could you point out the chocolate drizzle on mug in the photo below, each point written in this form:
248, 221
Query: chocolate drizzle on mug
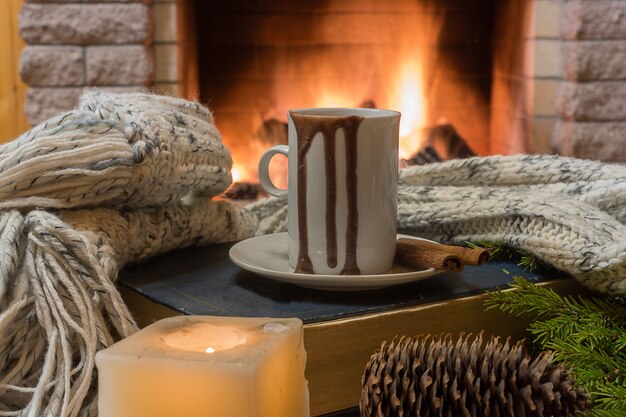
307, 126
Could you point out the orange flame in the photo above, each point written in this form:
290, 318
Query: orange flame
409, 99
334, 99
404, 92
235, 171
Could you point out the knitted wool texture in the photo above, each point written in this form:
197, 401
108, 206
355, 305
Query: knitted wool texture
151, 165
569, 213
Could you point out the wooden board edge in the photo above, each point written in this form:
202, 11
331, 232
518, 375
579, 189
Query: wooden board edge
338, 350
145, 311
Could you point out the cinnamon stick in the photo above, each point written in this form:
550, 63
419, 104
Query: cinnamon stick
416, 257
469, 256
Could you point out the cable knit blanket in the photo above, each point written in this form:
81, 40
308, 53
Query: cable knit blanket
121, 178
569, 213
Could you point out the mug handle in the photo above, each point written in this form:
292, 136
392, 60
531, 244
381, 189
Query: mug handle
264, 175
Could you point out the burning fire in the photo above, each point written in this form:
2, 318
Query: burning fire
405, 94
334, 99
235, 171
408, 97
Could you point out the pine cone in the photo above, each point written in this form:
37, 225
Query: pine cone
434, 376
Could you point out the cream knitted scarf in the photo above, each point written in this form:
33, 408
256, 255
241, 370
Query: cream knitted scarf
569, 213
126, 177
120, 179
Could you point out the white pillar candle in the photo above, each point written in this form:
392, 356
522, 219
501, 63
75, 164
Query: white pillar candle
198, 366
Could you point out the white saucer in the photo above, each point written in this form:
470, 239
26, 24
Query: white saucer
268, 256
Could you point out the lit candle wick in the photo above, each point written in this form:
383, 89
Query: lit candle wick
209, 350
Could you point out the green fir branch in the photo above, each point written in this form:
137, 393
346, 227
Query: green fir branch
600, 413
528, 300
587, 335
612, 395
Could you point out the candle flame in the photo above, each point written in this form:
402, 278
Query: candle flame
205, 338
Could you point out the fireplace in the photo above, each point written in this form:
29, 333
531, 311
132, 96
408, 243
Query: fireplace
431, 60
501, 73
536, 76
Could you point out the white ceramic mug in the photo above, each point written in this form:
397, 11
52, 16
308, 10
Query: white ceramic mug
342, 197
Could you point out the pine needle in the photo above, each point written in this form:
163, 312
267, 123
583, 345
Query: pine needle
588, 335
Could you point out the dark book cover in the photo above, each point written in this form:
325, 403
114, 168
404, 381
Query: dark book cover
203, 281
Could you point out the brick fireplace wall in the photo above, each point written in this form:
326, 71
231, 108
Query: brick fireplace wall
560, 78
77, 44
591, 99
526, 73
559, 82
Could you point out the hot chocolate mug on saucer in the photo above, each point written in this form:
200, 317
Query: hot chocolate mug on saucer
342, 189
